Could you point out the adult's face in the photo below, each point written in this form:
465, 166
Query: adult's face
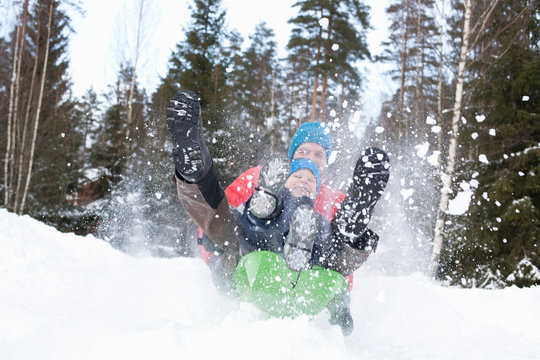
302, 182
313, 152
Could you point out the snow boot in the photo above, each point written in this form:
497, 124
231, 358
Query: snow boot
298, 247
370, 177
371, 172
340, 313
191, 157
265, 203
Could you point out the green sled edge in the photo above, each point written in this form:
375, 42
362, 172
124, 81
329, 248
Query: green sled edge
262, 278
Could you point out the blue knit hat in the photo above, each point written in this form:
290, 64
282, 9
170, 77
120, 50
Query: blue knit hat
315, 132
311, 166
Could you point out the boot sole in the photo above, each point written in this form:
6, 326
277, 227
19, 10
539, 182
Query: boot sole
184, 123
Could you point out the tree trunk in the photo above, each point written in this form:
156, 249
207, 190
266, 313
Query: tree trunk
325, 77
272, 113
419, 51
15, 116
133, 78
22, 147
8, 158
440, 81
404, 39
38, 110
452, 150
316, 82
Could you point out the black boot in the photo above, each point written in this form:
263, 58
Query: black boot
191, 157
369, 181
340, 313
371, 173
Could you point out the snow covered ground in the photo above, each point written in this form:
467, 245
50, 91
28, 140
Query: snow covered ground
69, 297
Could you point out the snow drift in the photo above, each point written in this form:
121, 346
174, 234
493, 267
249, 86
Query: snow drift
64, 296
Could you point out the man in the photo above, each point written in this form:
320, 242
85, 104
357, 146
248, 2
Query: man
197, 182
313, 141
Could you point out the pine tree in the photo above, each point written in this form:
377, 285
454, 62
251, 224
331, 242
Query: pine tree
413, 50
109, 149
299, 85
199, 64
413, 45
334, 34
256, 111
497, 241
43, 117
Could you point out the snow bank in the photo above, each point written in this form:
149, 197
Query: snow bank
64, 297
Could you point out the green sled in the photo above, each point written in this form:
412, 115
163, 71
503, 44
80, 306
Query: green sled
263, 279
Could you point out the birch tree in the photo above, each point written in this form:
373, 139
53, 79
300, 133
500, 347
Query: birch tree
456, 118
495, 243
11, 122
22, 150
38, 110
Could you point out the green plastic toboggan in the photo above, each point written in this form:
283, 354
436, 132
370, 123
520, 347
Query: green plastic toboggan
263, 279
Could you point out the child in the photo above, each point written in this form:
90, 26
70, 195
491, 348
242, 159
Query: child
279, 217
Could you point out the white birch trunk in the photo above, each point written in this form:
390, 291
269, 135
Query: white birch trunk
452, 150
15, 117
22, 150
8, 158
38, 110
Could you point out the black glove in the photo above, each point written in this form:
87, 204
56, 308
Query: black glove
367, 241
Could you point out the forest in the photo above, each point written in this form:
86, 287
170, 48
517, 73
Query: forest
466, 80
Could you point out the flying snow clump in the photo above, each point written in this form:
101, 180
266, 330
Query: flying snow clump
433, 159
460, 204
332, 158
431, 121
483, 159
480, 118
422, 149
406, 193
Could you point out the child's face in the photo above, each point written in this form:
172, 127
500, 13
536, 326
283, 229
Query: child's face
302, 183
